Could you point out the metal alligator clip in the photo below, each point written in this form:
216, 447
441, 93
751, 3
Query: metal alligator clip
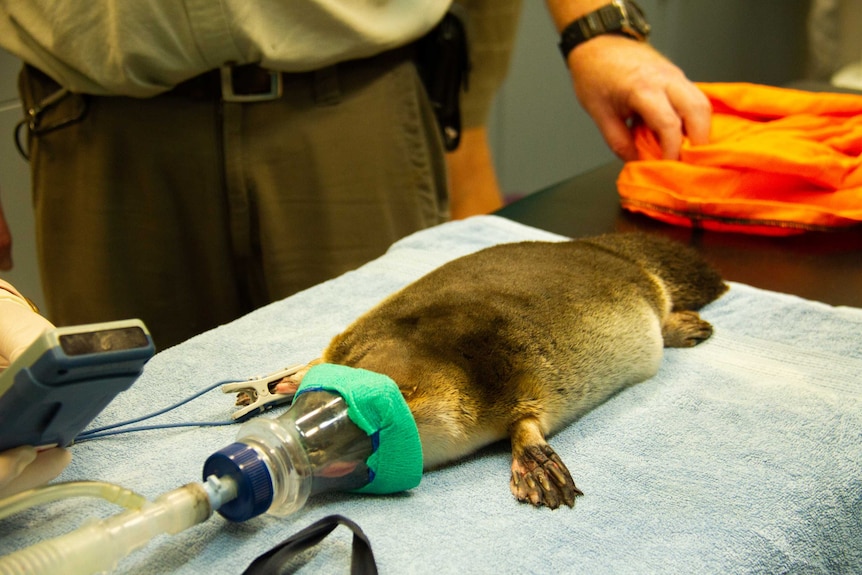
258, 393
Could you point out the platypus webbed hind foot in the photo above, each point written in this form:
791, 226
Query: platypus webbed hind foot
540, 477
538, 474
685, 329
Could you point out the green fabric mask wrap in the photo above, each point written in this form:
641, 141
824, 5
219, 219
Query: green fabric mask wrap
376, 406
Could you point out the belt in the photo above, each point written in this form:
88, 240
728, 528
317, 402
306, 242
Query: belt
251, 83
248, 83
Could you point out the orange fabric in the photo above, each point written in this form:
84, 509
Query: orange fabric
779, 162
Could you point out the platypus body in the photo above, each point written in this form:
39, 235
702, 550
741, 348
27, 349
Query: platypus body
518, 340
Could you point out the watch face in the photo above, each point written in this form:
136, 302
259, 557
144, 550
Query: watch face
634, 19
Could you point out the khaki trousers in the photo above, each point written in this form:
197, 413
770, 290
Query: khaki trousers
188, 212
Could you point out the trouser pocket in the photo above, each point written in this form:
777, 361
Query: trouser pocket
47, 107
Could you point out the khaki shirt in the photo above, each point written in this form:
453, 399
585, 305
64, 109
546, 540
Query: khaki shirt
143, 47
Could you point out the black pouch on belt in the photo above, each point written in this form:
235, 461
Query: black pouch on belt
443, 63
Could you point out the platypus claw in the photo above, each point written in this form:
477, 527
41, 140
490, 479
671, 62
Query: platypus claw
540, 477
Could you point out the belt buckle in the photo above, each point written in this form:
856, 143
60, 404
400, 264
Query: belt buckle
228, 95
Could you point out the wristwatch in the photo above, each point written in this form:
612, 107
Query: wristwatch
623, 17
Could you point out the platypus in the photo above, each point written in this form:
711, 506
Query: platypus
520, 339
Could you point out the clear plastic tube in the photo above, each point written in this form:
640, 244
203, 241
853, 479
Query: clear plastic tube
108, 491
279, 463
98, 546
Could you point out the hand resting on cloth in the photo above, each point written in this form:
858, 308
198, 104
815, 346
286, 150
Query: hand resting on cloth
779, 161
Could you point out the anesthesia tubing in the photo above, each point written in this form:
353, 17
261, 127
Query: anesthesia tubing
98, 546
347, 430
107, 491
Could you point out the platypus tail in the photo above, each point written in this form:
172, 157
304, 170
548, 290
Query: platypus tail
692, 281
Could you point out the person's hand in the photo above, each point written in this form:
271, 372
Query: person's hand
619, 80
23, 467
20, 325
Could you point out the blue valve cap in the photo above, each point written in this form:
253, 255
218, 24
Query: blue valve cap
244, 465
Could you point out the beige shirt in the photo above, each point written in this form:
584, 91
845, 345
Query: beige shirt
144, 47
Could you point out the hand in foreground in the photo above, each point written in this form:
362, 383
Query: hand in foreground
23, 468
619, 80
20, 325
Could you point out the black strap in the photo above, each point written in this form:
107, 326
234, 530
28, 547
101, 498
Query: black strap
273, 561
443, 62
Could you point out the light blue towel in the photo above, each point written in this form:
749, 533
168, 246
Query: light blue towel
743, 455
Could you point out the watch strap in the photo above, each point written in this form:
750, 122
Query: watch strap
618, 17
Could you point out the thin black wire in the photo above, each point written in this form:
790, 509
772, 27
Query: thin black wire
106, 430
92, 435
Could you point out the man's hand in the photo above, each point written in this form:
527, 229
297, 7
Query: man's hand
23, 468
19, 324
619, 81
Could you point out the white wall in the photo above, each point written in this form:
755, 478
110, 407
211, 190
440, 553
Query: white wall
15, 187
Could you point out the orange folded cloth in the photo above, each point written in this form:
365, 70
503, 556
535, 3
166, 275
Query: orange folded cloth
779, 162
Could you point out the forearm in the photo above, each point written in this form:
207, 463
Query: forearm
8, 292
564, 12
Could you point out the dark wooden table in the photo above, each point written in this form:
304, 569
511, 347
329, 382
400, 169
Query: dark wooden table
823, 266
